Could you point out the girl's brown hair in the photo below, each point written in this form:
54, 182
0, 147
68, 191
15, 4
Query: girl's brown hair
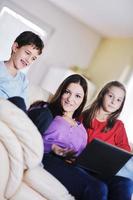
90, 113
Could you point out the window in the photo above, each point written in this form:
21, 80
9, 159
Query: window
15, 20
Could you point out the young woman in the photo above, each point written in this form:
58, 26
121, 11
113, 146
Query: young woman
101, 121
66, 137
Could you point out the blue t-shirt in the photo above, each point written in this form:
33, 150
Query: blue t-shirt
11, 86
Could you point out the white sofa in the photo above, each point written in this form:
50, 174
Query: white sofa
21, 149
21, 174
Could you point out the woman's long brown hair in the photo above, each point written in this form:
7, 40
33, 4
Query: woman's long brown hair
55, 102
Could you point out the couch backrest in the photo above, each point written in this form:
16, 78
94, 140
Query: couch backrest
36, 93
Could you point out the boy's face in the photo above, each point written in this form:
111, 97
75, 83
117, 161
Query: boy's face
23, 56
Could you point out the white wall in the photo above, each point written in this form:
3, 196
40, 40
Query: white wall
127, 113
72, 43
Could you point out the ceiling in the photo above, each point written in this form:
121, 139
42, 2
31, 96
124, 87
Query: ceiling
110, 18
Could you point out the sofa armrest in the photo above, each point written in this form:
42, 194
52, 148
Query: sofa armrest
14, 163
36, 93
46, 184
4, 169
25, 131
27, 193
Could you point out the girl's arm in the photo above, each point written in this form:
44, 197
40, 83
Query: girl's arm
121, 139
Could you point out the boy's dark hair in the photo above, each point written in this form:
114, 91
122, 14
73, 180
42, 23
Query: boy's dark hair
30, 38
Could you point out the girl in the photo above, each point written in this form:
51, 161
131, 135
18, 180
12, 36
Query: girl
101, 121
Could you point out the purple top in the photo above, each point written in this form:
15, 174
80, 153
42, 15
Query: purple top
62, 133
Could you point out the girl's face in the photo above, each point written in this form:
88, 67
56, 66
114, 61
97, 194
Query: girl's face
72, 98
24, 56
113, 99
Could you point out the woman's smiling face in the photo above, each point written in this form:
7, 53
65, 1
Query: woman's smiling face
72, 98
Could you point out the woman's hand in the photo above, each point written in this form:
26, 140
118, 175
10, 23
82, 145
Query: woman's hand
64, 152
68, 154
58, 150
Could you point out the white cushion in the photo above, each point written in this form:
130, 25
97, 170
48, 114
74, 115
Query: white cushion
36, 93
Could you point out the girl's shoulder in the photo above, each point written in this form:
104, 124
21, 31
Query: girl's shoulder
119, 122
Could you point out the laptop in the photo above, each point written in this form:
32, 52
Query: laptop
102, 159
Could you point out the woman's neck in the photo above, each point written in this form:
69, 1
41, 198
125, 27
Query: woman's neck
68, 114
68, 117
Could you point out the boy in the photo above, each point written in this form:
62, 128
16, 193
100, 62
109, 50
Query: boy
25, 50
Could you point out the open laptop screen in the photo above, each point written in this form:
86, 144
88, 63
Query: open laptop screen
103, 159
